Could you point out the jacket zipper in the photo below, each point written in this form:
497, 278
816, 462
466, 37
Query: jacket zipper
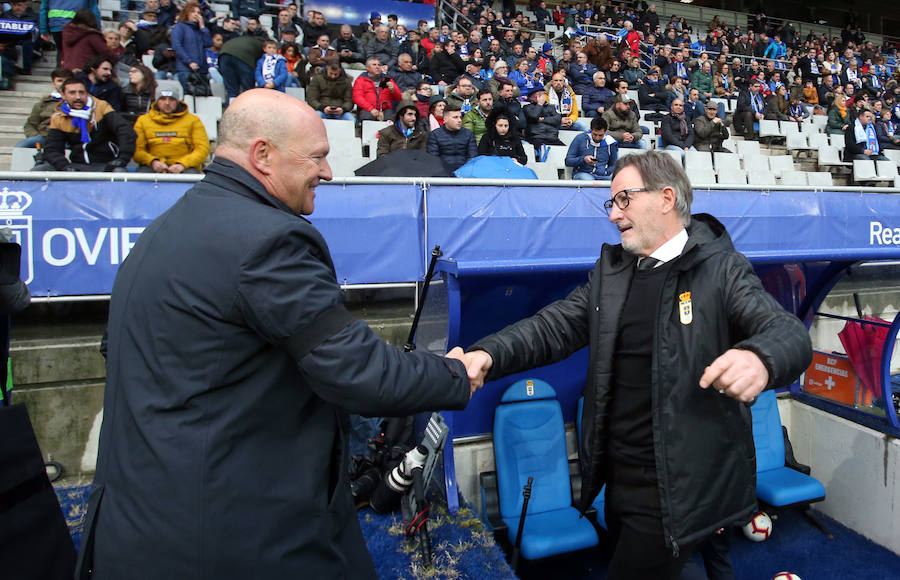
675, 550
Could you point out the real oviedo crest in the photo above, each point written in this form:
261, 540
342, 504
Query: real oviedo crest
12, 216
685, 309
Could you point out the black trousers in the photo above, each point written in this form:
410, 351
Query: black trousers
634, 521
716, 563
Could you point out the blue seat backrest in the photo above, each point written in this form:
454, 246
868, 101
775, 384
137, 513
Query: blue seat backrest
767, 435
530, 440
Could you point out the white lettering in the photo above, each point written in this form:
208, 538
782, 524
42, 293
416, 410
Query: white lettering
127, 244
882, 236
113, 246
874, 230
70, 247
91, 253
831, 370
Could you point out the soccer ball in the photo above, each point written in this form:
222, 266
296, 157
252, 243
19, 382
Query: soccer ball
759, 528
786, 576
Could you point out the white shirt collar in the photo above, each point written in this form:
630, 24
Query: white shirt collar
671, 249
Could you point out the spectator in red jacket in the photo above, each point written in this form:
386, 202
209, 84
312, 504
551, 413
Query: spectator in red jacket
374, 93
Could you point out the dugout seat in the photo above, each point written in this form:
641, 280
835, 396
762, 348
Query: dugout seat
780, 480
530, 441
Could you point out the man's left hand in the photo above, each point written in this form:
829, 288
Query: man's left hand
176, 168
737, 373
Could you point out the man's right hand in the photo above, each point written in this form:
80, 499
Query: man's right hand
158, 166
590, 159
478, 363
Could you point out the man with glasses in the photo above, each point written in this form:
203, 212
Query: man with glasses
670, 312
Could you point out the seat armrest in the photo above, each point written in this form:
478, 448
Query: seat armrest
490, 503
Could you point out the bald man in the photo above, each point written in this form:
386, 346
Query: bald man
232, 367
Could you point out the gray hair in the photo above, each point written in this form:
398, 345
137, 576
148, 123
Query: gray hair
659, 170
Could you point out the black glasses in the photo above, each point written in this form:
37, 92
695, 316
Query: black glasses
622, 198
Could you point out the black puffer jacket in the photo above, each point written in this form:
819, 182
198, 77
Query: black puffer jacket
453, 147
705, 457
542, 131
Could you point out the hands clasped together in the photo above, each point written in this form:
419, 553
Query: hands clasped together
478, 363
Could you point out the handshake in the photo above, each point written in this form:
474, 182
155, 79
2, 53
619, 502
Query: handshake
477, 362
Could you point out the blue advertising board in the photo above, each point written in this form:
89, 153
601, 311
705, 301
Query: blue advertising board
75, 234
354, 12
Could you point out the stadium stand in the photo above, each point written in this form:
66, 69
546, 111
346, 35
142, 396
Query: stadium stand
794, 153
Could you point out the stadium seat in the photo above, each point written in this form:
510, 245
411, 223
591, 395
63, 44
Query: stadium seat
633, 95
864, 170
788, 127
529, 154
817, 141
760, 177
732, 177
370, 131
747, 148
758, 162
210, 105
780, 480
353, 74
822, 178
147, 59
190, 102
836, 140
768, 128
701, 176
578, 102
22, 158
730, 144
886, 170
828, 156
211, 124
793, 178
298, 92
819, 121
781, 163
624, 152
698, 160
339, 130
568, 136
797, 141
893, 155
726, 162
530, 441
724, 102
556, 156
545, 171
676, 155
218, 90
344, 164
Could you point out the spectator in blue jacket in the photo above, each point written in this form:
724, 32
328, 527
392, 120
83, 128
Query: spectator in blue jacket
582, 73
595, 99
593, 154
271, 68
776, 49
452, 142
190, 37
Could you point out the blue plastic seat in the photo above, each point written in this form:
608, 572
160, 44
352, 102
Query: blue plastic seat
530, 441
780, 480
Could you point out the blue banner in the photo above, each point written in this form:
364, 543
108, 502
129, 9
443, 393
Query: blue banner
74, 234
354, 12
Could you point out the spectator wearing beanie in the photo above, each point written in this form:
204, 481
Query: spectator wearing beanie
170, 139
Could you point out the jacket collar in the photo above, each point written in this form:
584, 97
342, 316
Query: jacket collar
232, 177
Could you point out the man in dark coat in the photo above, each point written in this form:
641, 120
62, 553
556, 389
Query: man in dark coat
406, 133
452, 142
667, 314
231, 370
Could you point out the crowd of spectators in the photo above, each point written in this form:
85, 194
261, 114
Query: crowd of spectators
492, 88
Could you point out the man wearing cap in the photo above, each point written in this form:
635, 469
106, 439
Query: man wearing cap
98, 138
623, 124
374, 23
283, 23
545, 62
170, 139
405, 133
710, 131
288, 35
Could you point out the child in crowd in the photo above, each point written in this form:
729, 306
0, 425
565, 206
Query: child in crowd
271, 70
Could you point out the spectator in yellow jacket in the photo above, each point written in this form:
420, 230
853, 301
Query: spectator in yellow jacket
169, 138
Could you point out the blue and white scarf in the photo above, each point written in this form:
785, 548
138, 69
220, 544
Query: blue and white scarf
82, 119
268, 67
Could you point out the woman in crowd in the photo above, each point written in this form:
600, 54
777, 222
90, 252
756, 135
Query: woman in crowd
723, 83
436, 114
886, 130
527, 82
501, 138
633, 73
487, 67
138, 94
838, 117
777, 105
190, 37
82, 40
295, 61
676, 90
